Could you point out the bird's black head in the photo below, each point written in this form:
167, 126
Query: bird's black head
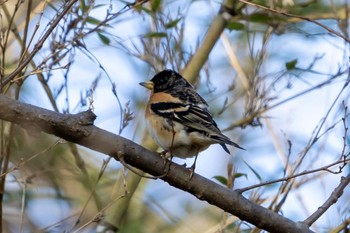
167, 80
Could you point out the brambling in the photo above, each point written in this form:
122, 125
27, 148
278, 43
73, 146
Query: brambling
178, 118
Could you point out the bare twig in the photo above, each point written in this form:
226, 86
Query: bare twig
92, 192
99, 215
344, 181
23, 162
249, 119
332, 199
324, 168
39, 44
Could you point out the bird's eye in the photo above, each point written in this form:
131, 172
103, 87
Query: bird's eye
162, 80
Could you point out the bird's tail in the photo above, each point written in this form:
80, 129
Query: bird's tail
223, 140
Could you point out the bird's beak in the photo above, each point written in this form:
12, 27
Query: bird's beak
149, 85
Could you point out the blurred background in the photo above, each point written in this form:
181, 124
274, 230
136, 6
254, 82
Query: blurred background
276, 85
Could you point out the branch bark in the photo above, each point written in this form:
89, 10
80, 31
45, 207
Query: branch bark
79, 129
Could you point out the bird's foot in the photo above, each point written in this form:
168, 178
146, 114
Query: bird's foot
166, 155
167, 159
191, 169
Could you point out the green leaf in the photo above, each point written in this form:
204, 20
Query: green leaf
93, 20
235, 26
104, 39
237, 175
291, 64
221, 179
155, 5
259, 17
156, 34
172, 23
83, 6
264, 18
255, 172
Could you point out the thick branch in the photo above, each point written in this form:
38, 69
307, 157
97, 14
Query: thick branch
79, 129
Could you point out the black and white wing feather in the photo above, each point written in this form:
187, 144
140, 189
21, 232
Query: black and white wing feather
194, 116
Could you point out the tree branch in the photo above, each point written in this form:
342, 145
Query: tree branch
195, 64
79, 129
332, 199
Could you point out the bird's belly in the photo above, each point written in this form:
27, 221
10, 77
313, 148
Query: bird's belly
182, 143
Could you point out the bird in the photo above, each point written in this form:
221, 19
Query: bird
178, 119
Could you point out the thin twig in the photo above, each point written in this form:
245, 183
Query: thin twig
299, 17
23, 162
92, 193
332, 199
344, 181
38, 45
249, 119
99, 215
324, 168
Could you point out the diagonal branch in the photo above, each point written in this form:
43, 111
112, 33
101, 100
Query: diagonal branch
193, 67
333, 198
79, 129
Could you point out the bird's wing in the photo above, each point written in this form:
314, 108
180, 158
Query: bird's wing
195, 117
